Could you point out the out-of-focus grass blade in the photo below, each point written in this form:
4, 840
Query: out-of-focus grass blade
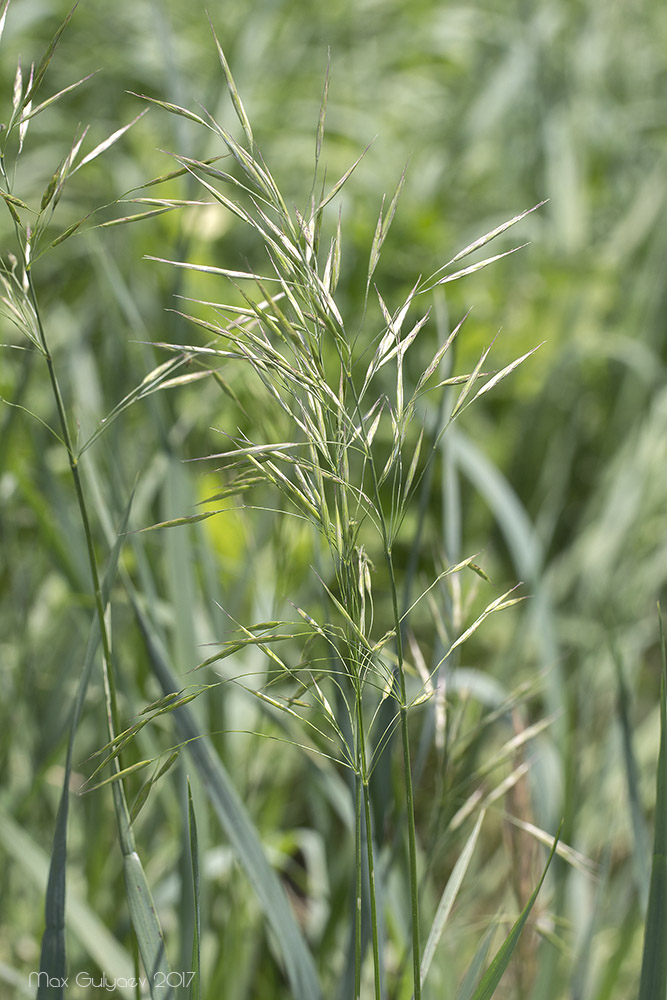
620, 947
299, 965
474, 970
448, 897
16, 980
53, 959
641, 841
653, 982
496, 970
195, 986
582, 979
99, 943
526, 550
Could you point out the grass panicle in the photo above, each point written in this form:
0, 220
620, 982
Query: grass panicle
332, 474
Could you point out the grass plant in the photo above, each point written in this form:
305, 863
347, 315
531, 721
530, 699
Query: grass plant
355, 495
367, 744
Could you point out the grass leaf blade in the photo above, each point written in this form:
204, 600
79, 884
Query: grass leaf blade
653, 982
448, 897
495, 972
231, 812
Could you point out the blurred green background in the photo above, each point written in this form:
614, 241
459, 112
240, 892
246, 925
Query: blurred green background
558, 476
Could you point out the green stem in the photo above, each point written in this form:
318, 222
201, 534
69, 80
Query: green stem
127, 840
409, 796
357, 910
369, 845
401, 698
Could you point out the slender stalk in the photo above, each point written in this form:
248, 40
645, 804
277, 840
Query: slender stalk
357, 911
127, 840
369, 844
401, 698
409, 796
362, 778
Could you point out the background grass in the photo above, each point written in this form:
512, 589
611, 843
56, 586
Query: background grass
556, 478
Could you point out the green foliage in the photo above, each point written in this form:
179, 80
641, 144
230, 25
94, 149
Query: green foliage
335, 568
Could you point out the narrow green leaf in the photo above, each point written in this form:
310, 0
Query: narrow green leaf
447, 899
474, 971
496, 970
101, 946
653, 982
146, 926
640, 845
